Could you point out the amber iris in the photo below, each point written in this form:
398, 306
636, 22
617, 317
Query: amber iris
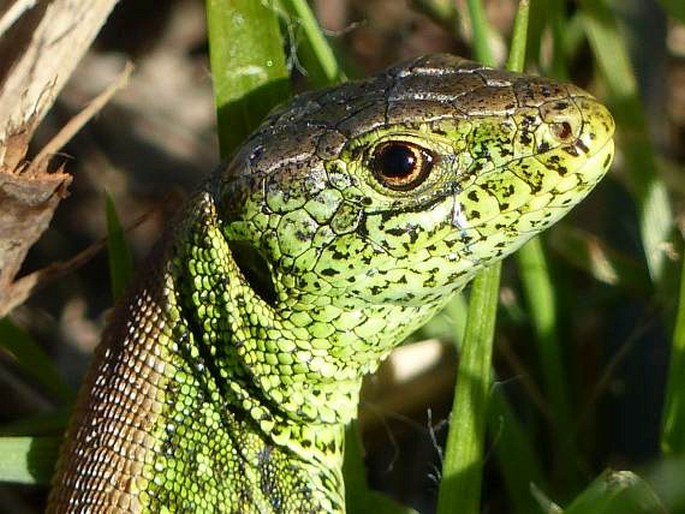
400, 165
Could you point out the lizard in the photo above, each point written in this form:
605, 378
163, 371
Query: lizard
225, 378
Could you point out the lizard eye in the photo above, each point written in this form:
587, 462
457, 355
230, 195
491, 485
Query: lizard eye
400, 165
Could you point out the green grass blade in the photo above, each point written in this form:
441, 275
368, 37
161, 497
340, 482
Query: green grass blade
609, 49
482, 33
666, 477
559, 25
442, 12
31, 359
517, 55
120, 262
456, 312
52, 422
354, 471
673, 424
548, 17
617, 492
313, 49
28, 460
516, 455
539, 292
248, 66
462, 466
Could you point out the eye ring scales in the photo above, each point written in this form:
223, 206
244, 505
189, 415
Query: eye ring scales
400, 165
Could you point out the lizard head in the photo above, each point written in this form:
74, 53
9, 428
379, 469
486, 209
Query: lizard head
399, 188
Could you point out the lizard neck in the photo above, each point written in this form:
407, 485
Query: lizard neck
228, 398
298, 359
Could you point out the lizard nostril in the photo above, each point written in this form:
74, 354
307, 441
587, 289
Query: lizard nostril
562, 130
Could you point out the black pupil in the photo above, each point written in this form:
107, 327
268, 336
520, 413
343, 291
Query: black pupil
396, 161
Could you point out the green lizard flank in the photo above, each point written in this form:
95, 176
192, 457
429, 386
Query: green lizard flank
225, 379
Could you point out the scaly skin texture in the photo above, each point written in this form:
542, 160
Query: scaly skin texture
224, 381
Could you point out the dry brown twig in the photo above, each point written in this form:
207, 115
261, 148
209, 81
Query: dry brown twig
41, 42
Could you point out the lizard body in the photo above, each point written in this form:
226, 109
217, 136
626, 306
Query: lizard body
224, 381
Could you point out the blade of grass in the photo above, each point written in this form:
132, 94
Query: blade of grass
517, 55
515, 454
31, 359
456, 310
617, 492
559, 25
539, 292
313, 49
543, 502
536, 280
442, 12
483, 34
462, 466
120, 262
673, 423
51, 422
666, 477
28, 460
248, 66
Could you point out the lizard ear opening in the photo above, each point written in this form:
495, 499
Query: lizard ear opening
255, 270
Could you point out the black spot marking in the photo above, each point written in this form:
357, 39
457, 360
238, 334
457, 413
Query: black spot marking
376, 290
581, 146
607, 161
543, 147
